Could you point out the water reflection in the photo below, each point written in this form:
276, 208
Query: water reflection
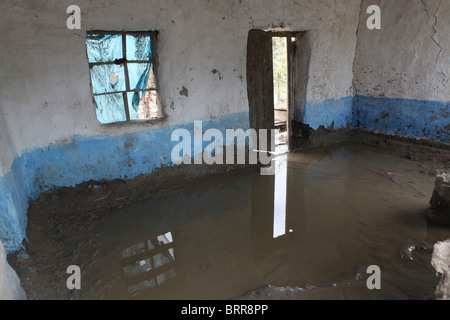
318, 221
149, 264
279, 222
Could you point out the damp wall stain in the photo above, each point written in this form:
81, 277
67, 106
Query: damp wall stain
335, 113
418, 119
411, 118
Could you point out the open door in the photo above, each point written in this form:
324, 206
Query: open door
299, 61
260, 81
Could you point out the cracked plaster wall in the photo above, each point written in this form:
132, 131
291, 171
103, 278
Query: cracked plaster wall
401, 71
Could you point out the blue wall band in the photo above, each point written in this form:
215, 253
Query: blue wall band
89, 158
130, 155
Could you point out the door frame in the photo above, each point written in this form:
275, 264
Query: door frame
261, 91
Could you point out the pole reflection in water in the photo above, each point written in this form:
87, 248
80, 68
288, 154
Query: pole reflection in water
277, 208
279, 225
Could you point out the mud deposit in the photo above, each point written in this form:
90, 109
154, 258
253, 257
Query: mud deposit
310, 232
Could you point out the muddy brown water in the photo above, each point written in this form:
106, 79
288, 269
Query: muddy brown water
309, 232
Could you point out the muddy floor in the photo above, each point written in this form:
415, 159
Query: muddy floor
309, 232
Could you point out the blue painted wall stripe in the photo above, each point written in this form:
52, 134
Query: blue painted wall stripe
131, 155
416, 119
88, 158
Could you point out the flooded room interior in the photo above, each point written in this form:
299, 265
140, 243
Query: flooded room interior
232, 150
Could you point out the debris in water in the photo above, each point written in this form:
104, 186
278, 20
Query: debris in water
406, 251
103, 198
440, 156
389, 175
113, 204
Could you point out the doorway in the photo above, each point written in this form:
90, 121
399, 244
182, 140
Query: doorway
277, 74
281, 92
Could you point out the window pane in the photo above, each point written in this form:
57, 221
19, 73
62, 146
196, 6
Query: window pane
139, 75
141, 267
143, 105
110, 108
104, 48
133, 251
151, 79
160, 260
139, 47
108, 78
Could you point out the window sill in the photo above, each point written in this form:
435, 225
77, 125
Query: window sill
135, 122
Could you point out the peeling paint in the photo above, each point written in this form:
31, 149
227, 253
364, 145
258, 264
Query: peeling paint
215, 71
411, 118
184, 92
331, 113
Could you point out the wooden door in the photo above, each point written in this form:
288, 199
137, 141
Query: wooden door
260, 81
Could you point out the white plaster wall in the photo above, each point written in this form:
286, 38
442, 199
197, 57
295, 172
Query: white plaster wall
10, 287
409, 57
7, 150
45, 90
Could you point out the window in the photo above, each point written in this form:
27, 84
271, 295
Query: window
122, 68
